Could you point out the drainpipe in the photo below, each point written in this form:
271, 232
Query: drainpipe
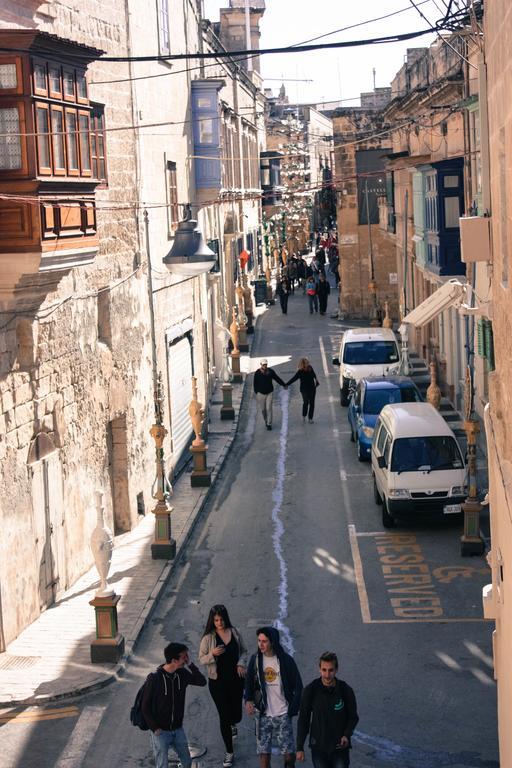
484, 133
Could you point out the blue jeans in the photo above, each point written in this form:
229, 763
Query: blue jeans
165, 739
338, 759
313, 303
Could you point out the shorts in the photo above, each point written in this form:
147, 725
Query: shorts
274, 732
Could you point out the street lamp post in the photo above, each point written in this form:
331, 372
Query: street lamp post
164, 546
471, 542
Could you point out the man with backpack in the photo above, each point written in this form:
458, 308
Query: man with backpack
163, 704
328, 712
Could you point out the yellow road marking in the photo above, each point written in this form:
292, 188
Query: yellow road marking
32, 716
363, 594
358, 571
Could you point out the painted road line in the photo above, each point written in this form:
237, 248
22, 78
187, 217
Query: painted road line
75, 751
358, 571
342, 472
36, 715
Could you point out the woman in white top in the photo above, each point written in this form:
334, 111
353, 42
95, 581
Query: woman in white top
223, 652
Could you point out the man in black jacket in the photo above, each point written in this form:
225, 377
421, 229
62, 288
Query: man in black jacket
328, 712
264, 388
163, 704
272, 692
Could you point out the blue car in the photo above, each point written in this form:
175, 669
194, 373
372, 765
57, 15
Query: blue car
367, 401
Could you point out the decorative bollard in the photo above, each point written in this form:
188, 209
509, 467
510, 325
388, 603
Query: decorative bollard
243, 345
201, 475
249, 312
108, 647
235, 354
387, 322
433, 391
227, 412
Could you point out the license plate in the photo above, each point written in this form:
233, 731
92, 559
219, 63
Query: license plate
451, 509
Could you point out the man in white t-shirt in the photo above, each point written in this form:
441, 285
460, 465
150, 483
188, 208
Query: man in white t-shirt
273, 688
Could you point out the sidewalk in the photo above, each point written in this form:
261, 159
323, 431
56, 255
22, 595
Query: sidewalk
50, 660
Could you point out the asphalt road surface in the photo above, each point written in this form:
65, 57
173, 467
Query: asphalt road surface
292, 536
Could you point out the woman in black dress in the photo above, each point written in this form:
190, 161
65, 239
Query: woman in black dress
223, 652
308, 385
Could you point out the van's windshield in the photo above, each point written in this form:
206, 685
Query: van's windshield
370, 352
412, 454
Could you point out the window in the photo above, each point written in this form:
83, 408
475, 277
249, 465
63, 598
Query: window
8, 77
43, 139
58, 144
205, 130
40, 83
381, 439
72, 142
172, 197
81, 87
85, 143
10, 140
163, 27
55, 81
99, 164
451, 212
69, 84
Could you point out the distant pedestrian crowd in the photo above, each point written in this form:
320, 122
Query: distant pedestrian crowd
269, 683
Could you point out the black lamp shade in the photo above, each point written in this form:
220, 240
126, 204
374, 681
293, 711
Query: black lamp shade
189, 254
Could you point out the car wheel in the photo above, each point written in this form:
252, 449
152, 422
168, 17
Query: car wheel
344, 398
360, 456
387, 520
376, 495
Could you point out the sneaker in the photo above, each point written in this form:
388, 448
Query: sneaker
269, 427
228, 760
311, 421
234, 731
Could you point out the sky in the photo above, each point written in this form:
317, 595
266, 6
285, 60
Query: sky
338, 74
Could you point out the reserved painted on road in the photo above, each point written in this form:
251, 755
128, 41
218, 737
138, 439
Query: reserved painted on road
405, 584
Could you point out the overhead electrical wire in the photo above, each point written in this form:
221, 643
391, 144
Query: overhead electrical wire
203, 55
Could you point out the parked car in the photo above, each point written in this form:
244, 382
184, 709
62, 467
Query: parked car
366, 352
417, 464
370, 397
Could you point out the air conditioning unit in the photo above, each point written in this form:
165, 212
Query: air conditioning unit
475, 238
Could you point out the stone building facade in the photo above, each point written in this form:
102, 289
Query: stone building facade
75, 365
360, 154
78, 350
497, 604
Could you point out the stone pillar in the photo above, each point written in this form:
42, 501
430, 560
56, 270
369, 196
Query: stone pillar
227, 412
108, 647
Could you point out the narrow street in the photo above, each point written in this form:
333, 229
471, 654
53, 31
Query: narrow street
292, 536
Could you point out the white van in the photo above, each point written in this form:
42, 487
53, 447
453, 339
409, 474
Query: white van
417, 464
366, 352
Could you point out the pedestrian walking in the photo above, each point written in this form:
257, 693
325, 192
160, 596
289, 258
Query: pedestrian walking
308, 385
312, 294
301, 270
283, 291
328, 712
163, 704
223, 652
273, 688
323, 290
264, 389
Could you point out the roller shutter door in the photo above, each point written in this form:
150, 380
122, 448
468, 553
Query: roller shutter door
180, 389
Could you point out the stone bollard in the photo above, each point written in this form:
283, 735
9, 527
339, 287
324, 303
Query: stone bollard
227, 412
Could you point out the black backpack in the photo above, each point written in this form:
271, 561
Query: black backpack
136, 716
